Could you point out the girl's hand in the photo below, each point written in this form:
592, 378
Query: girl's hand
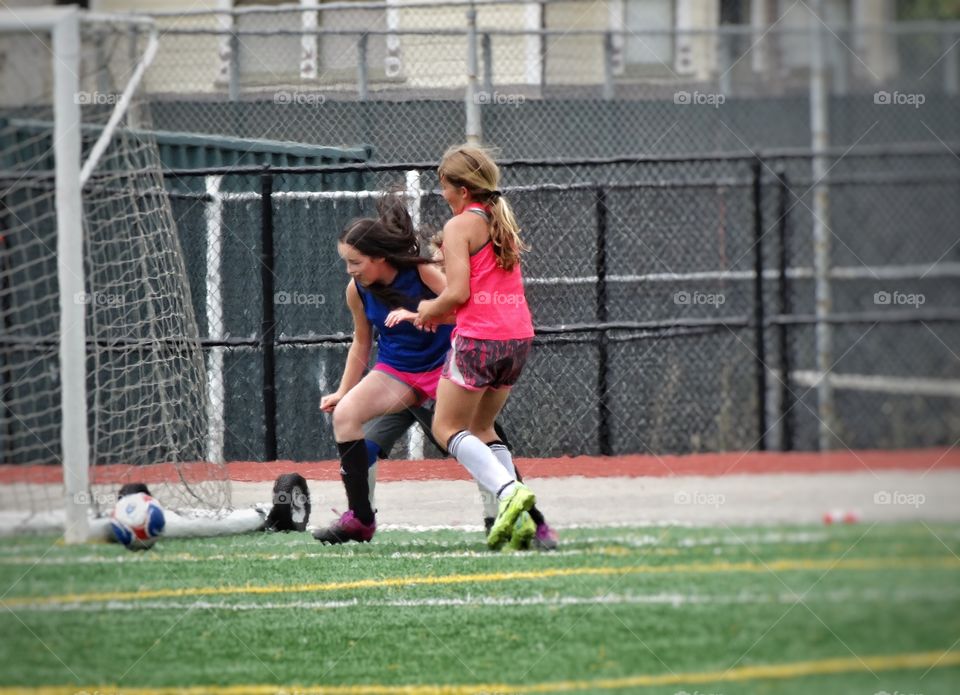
329, 402
398, 315
428, 325
425, 320
425, 310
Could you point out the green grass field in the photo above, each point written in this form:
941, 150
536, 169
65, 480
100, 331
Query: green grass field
851, 609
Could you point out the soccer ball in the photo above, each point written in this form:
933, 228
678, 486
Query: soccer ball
137, 521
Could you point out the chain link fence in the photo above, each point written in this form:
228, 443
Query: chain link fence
675, 293
553, 79
653, 334
890, 326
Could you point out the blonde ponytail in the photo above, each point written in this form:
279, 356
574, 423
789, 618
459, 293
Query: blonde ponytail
505, 234
474, 169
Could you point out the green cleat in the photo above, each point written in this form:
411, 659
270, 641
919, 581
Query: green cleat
519, 501
524, 531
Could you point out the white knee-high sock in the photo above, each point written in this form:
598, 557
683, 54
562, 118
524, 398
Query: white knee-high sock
490, 505
505, 458
477, 458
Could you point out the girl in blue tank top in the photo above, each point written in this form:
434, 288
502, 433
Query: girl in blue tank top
400, 345
389, 277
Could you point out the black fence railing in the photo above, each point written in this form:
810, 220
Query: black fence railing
674, 299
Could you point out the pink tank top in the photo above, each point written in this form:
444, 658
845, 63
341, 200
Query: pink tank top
497, 307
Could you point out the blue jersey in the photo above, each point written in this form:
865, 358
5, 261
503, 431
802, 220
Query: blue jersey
405, 347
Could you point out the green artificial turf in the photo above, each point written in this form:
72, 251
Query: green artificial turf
432, 609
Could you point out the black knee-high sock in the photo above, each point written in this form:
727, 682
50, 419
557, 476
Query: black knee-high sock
501, 435
353, 472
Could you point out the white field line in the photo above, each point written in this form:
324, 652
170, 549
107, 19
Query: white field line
660, 523
11, 521
602, 544
275, 557
673, 599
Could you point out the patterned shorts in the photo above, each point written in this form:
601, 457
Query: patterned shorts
481, 364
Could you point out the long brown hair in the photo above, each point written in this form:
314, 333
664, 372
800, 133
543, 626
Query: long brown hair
474, 169
389, 236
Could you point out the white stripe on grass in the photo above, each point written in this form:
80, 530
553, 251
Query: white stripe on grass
605, 545
160, 556
674, 599
662, 523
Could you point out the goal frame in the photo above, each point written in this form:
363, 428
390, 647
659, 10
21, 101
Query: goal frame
63, 24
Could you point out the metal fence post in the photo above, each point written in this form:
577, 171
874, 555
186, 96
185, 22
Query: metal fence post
309, 40
6, 311
268, 325
724, 45
487, 45
603, 339
951, 65
820, 132
135, 114
786, 392
234, 67
608, 89
362, 68
133, 45
841, 63
758, 309
474, 133
543, 47
103, 76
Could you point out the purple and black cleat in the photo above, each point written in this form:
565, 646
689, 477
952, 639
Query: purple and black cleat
546, 538
347, 528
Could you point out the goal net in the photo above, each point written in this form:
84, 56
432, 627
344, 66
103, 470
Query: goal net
101, 369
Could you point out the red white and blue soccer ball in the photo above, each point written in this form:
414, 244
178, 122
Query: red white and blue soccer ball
137, 521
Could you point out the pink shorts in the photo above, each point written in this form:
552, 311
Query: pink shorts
476, 364
424, 383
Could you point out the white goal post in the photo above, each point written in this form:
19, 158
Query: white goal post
63, 26
101, 368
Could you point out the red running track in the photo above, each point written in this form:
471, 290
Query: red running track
735, 463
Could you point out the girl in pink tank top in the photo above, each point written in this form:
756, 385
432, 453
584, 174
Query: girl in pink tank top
492, 338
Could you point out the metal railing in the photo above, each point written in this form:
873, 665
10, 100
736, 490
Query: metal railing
692, 328
542, 80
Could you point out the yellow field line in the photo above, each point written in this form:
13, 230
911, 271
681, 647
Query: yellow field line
796, 669
491, 577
